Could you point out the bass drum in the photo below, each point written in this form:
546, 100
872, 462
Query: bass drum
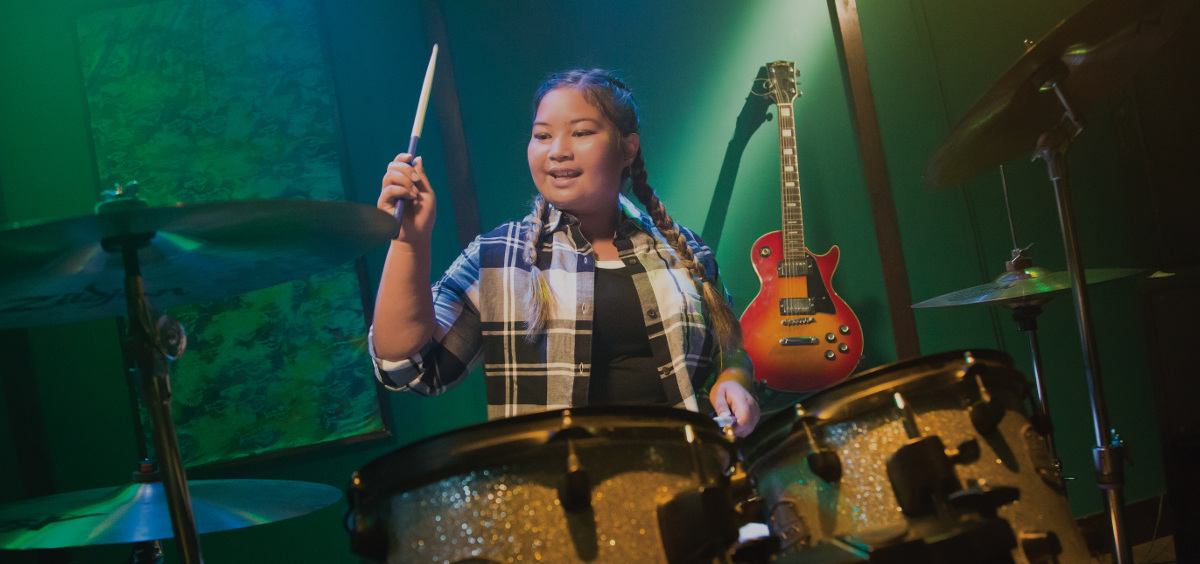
598, 484
931, 459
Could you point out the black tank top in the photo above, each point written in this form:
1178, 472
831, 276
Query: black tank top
623, 366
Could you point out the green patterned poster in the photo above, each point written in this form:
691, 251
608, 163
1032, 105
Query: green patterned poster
217, 100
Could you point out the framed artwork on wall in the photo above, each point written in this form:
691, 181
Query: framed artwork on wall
220, 100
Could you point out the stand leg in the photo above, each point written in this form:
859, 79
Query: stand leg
1109, 469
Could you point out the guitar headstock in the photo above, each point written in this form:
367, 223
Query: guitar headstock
781, 77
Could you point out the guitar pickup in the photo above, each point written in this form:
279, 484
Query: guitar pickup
796, 306
791, 341
792, 268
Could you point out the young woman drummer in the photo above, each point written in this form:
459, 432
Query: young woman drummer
587, 301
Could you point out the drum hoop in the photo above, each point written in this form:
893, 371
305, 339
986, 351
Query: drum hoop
864, 392
494, 443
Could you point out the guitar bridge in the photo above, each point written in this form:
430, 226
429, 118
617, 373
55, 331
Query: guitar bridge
796, 306
798, 321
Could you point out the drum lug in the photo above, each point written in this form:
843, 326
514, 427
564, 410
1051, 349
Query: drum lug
575, 486
825, 463
967, 452
985, 414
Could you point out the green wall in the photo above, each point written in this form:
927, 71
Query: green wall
690, 64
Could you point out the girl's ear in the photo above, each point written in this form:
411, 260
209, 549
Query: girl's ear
631, 145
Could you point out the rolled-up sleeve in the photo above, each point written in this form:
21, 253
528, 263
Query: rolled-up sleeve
456, 345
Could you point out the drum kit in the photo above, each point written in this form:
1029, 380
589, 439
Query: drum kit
942, 458
932, 459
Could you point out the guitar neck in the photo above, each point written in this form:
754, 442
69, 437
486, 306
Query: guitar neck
789, 186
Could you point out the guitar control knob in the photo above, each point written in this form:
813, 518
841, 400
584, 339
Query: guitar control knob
843, 348
830, 337
830, 355
844, 329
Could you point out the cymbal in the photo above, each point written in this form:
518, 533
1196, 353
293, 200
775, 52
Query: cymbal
138, 512
1031, 287
1101, 45
58, 271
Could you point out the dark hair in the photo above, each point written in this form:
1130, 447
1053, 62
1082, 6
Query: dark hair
615, 101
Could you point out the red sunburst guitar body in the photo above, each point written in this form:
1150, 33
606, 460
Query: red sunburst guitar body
800, 334
792, 350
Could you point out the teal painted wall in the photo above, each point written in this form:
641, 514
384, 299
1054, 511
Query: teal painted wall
691, 64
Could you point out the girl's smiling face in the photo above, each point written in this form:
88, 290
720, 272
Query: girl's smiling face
576, 156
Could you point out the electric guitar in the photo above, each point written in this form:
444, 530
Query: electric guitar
800, 334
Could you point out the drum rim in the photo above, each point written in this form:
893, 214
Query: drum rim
456, 451
823, 405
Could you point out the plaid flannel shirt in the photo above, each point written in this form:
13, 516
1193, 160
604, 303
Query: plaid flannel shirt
479, 306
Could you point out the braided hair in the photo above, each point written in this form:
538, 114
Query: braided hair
608, 94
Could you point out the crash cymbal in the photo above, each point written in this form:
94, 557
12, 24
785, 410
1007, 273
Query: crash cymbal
1029, 287
138, 512
1100, 47
59, 271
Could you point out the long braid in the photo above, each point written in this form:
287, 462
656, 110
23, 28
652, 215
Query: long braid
725, 323
537, 309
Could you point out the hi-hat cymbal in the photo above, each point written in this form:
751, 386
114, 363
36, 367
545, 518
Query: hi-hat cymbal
1035, 286
58, 271
138, 512
1101, 46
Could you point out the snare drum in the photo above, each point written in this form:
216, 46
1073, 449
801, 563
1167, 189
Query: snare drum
925, 456
599, 484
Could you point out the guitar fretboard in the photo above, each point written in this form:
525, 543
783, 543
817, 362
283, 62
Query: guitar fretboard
789, 184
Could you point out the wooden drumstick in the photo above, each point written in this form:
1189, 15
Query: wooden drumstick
419, 119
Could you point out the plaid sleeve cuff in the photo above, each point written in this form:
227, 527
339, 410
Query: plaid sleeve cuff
397, 375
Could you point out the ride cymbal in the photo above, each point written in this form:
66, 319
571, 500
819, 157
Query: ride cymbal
1089, 55
60, 271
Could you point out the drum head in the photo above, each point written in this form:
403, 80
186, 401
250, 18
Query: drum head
497, 442
873, 388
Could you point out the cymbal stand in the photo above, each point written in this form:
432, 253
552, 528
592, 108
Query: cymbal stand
1026, 317
154, 343
1052, 147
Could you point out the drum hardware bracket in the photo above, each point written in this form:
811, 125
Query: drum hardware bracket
984, 500
921, 474
788, 526
697, 525
1110, 468
988, 541
147, 552
367, 539
1040, 547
